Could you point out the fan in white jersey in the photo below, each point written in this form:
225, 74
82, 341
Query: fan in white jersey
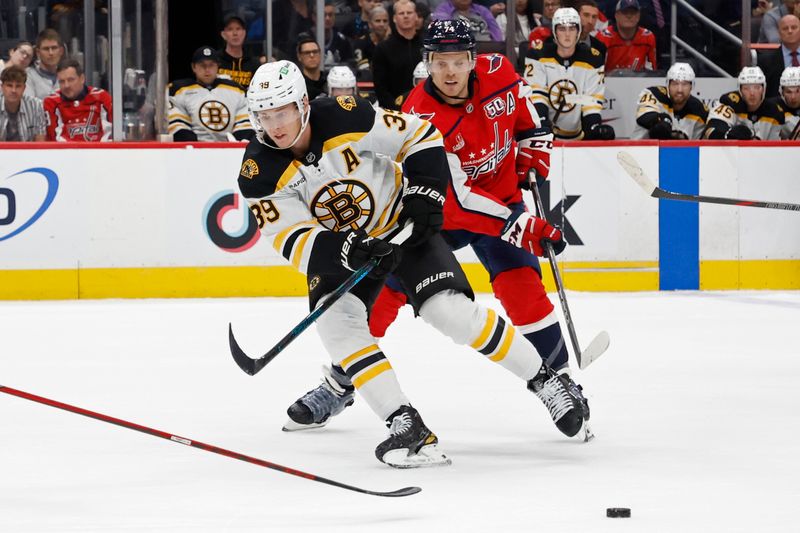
671, 111
744, 114
567, 81
207, 108
327, 181
789, 100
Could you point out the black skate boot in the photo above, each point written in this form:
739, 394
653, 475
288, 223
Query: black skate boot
317, 406
410, 444
564, 399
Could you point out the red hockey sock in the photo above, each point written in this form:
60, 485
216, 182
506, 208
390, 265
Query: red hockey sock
384, 310
522, 294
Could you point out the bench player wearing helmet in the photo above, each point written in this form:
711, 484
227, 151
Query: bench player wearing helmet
789, 100
341, 82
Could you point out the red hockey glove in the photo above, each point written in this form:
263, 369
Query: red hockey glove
534, 153
530, 233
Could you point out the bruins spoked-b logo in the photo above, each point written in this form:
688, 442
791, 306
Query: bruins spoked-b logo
557, 94
214, 115
344, 205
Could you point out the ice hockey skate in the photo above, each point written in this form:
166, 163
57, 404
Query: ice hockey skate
410, 444
565, 401
316, 407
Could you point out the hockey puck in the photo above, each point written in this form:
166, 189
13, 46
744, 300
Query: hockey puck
618, 512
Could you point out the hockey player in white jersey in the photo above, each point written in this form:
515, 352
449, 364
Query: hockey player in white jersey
789, 100
567, 78
671, 111
341, 82
327, 182
207, 108
744, 114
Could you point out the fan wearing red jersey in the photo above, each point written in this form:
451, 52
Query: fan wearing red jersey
486, 115
77, 112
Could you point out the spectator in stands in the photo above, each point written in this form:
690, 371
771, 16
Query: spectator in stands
590, 13
337, 47
20, 55
42, 74
77, 112
790, 102
769, 23
207, 107
234, 64
543, 31
524, 24
482, 23
310, 59
290, 19
671, 111
629, 46
395, 58
745, 114
21, 116
773, 62
359, 27
364, 48
341, 82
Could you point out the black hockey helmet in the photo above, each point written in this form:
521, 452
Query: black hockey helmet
449, 36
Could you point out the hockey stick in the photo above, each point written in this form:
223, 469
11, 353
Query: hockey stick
253, 366
407, 491
635, 171
600, 343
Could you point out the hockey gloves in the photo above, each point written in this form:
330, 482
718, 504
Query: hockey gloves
529, 232
423, 206
662, 129
739, 132
599, 132
358, 248
534, 153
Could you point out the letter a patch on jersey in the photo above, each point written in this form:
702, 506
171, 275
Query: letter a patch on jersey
249, 169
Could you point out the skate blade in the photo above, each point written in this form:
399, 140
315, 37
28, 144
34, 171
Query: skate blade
429, 455
586, 432
291, 425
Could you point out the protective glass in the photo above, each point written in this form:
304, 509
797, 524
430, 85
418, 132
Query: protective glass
446, 65
271, 118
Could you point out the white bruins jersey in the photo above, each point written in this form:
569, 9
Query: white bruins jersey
691, 119
350, 179
791, 126
211, 112
569, 90
730, 110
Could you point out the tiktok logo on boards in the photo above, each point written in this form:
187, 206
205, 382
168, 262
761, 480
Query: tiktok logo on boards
24, 198
558, 213
230, 233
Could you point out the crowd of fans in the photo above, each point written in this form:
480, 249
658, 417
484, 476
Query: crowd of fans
368, 43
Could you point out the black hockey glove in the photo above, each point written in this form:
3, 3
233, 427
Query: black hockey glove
358, 248
739, 132
662, 129
422, 205
678, 135
600, 132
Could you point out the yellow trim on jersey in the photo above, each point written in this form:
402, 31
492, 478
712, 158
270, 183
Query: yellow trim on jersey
241, 117
583, 64
352, 358
192, 86
371, 373
768, 119
408, 143
547, 60
382, 227
505, 346
339, 140
297, 252
288, 175
277, 242
230, 88
175, 115
491, 320
696, 118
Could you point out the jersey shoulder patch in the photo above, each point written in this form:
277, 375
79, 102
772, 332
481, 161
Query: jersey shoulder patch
586, 54
734, 100
661, 94
331, 117
262, 168
179, 85
548, 49
695, 106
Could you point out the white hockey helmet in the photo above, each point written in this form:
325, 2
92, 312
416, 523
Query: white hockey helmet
681, 72
420, 73
275, 85
752, 75
565, 16
341, 78
790, 77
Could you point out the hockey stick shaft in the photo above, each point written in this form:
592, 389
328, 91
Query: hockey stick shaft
634, 170
551, 256
253, 366
407, 491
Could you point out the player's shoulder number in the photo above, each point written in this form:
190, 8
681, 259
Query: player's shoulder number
394, 119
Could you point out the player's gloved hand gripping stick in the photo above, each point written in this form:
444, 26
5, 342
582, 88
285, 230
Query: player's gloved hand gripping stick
600, 343
253, 366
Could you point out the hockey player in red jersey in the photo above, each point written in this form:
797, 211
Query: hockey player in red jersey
485, 114
77, 112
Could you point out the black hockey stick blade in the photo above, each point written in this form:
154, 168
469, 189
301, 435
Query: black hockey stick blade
253, 366
634, 170
406, 491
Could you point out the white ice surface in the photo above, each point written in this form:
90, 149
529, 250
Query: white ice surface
695, 408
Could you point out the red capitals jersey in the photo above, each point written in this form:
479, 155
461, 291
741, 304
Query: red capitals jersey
480, 138
637, 54
85, 119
